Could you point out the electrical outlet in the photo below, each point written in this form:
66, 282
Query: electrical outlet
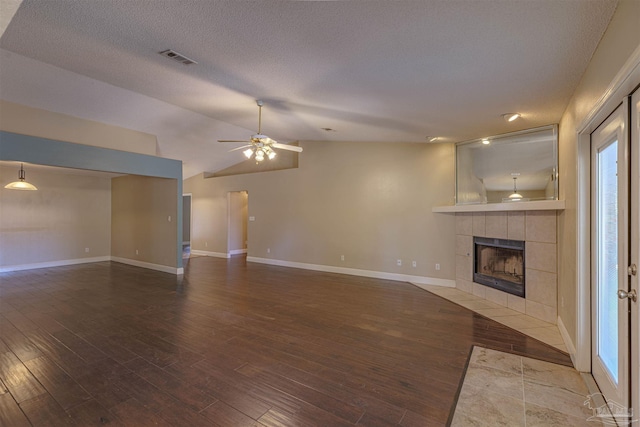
341, 257
399, 262
169, 218
86, 250
437, 266
137, 253
414, 264
268, 250
206, 244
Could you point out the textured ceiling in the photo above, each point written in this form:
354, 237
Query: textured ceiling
393, 71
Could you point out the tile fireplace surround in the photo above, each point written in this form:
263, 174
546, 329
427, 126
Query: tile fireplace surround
538, 230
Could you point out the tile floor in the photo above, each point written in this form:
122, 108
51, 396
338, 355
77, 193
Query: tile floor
502, 389
535, 328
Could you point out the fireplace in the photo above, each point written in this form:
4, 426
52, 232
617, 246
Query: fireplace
499, 264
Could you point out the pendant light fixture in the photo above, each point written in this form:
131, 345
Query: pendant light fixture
20, 184
515, 196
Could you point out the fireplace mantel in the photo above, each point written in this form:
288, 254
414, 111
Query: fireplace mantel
539, 205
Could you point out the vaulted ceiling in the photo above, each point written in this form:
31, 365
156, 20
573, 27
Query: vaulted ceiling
394, 71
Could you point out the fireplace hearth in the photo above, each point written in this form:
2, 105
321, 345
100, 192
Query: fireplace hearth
499, 264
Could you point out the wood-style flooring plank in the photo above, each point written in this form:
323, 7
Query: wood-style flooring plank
229, 392
10, 412
91, 413
186, 394
178, 415
224, 415
134, 414
66, 391
366, 402
17, 342
43, 410
17, 379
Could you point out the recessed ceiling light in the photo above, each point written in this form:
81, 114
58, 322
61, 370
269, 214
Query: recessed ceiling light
486, 141
511, 116
328, 129
431, 138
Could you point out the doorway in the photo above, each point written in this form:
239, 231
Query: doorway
610, 244
237, 225
186, 226
616, 369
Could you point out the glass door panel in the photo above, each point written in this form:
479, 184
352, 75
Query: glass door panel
607, 259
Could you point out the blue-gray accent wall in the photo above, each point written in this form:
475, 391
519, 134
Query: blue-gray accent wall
50, 152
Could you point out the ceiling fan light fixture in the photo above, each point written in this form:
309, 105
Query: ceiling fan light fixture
510, 117
260, 145
21, 184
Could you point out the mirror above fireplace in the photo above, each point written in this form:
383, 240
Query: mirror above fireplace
509, 168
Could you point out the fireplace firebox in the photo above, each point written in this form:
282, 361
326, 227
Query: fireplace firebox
499, 264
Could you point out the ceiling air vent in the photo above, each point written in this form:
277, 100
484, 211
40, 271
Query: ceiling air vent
172, 54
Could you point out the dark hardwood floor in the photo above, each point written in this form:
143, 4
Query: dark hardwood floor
233, 344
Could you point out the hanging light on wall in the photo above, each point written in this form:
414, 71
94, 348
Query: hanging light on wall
20, 184
515, 195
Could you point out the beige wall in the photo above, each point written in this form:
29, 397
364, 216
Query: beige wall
25, 120
620, 40
67, 214
370, 202
140, 211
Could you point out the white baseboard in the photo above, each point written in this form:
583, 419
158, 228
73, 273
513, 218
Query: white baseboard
434, 281
415, 280
151, 266
213, 254
571, 348
237, 251
54, 263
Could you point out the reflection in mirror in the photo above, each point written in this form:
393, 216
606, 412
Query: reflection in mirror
509, 168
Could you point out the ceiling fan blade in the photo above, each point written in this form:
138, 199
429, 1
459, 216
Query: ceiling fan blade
287, 147
240, 148
234, 140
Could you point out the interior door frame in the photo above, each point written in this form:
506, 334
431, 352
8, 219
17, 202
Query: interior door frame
624, 83
190, 196
231, 215
634, 124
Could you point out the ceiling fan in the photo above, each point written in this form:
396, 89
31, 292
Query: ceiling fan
261, 146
